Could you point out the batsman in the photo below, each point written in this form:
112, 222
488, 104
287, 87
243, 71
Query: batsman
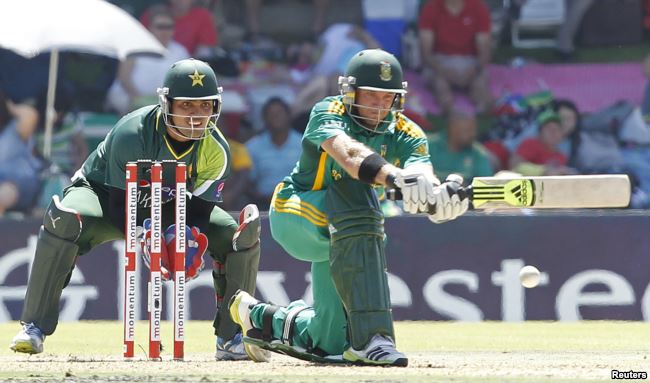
327, 212
181, 127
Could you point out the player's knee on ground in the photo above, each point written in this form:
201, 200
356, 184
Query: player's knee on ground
62, 222
276, 329
357, 259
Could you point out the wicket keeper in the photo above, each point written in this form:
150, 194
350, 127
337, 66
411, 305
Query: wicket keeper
181, 127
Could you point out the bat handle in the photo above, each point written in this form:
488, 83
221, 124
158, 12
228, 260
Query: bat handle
463, 192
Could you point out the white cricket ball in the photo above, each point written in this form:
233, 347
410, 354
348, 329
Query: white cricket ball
529, 276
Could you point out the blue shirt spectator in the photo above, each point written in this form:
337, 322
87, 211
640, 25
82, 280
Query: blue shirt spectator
19, 166
274, 152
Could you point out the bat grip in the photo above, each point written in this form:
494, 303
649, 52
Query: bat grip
395, 194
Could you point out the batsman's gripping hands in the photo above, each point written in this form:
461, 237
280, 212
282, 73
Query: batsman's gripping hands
421, 194
195, 248
417, 189
451, 200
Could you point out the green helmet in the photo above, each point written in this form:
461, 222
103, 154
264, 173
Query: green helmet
190, 79
374, 70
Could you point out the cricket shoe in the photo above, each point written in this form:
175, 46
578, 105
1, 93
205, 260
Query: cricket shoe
239, 306
232, 349
28, 340
380, 351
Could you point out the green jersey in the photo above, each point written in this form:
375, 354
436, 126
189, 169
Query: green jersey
142, 135
403, 144
470, 162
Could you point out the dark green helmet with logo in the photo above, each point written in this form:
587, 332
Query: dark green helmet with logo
190, 79
374, 70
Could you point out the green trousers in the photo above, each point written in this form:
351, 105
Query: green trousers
91, 202
299, 225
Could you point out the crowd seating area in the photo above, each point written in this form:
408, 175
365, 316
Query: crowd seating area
293, 50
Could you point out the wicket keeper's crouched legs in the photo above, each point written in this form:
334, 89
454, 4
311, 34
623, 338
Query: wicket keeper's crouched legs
70, 227
340, 230
76, 224
236, 253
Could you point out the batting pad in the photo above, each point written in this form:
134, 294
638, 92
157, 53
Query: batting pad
296, 352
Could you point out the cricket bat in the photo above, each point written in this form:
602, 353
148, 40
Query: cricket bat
547, 192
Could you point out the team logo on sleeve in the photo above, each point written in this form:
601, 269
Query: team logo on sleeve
197, 78
218, 190
385, 72
422, 150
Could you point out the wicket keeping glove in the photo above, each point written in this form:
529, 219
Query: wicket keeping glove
195, 248
144, 240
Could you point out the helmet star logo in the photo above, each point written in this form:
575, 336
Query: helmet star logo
197, 79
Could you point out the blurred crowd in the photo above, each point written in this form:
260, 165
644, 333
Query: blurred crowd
276, 58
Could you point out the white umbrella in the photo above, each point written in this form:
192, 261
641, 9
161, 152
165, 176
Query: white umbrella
30, 27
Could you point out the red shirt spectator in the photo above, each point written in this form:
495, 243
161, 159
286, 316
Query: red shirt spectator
193, 29
455, 34
540, 155
535, 151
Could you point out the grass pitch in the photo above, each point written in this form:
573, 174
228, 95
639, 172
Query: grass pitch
438, 352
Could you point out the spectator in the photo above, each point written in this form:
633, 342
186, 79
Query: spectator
315, 90
386, 21
540, 155
456, 48
457, 151
338, 44
139, 76
253, 8
300, 58
195, 28
274, 152
68, 146
19, 166
570, 123
235, 128
575, 10
335, 48
235, 190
